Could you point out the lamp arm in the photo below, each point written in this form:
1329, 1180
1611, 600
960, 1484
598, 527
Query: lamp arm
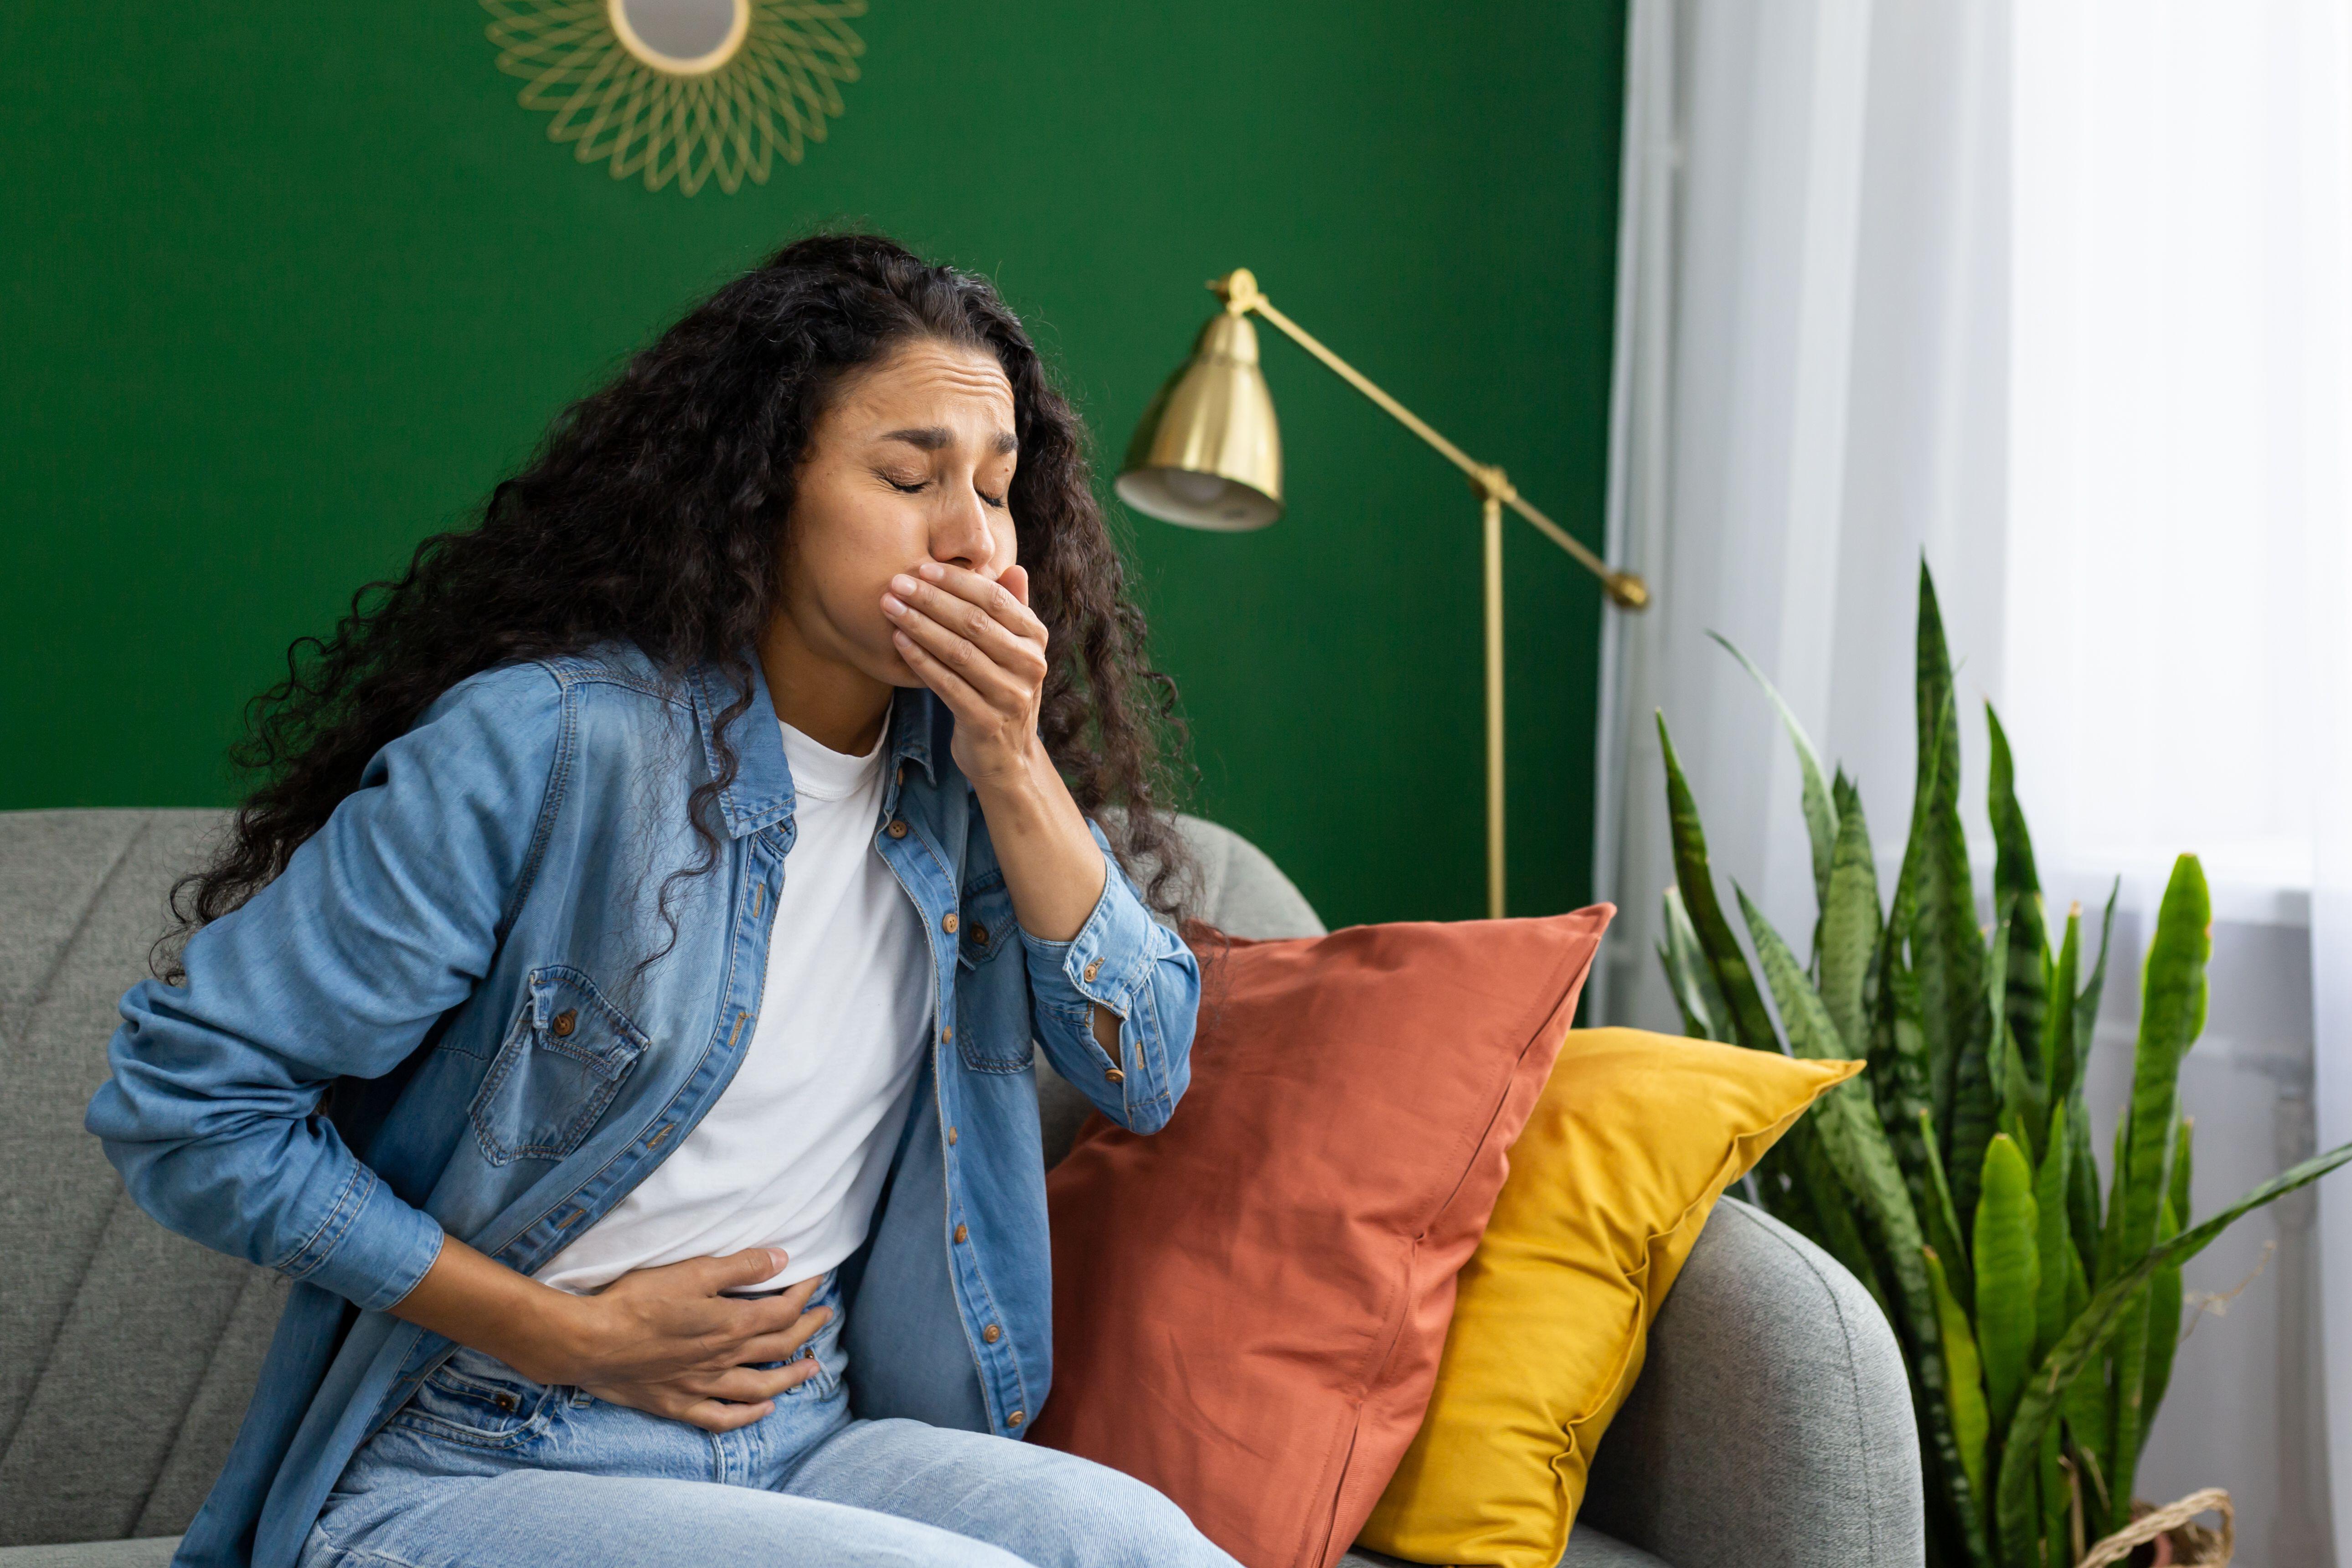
1626, 589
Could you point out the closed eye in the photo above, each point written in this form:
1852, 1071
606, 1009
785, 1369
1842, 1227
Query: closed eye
996, 502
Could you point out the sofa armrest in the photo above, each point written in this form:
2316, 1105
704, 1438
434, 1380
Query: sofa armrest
1772, 1419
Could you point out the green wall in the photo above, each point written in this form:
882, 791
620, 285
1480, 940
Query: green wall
284, 288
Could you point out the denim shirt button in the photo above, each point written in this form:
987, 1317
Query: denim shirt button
992, 1334
1017, 1417
1114, 1075
947, 923
1094, 967
898, 828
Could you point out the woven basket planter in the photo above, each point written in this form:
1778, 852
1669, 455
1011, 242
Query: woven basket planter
2174, 1533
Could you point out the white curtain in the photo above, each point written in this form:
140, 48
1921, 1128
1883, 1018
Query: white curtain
1813, 352
2053, 295
2176, 635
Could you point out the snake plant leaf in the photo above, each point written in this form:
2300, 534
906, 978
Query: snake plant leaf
1820, 809
2057, 1025
1945, 951
1976, 1092
1856, 1153
2086, 1005
2110, 1253
2008, 1274
2172, 1011
2164, 1295
2128, 1373
1743, 1004
1804, 1018
2056, 1497
2052, 1244
2084, 1212
1971, 1419
2015, 879
1940, 1221
1705, 1016
2162, 1338
2087, 1408
1898, 1064
2024, 1110
2183, 1150
1848, 925
2092, 1330
1832, 1210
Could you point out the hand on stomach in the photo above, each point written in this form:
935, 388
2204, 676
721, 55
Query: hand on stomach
663, 1340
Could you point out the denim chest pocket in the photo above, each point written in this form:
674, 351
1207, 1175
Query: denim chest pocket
557, 1072
993, 1025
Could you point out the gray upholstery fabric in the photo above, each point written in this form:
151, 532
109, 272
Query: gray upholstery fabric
1772, 1424
147, 1551
118, 1315
1772, 1421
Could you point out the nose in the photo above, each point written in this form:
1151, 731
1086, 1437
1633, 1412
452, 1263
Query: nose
959, 534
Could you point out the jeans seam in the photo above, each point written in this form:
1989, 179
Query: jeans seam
360, 1553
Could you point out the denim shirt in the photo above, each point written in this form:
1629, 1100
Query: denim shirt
460, 951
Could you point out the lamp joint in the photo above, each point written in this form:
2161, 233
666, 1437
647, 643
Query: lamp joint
1488, 483
1238, 290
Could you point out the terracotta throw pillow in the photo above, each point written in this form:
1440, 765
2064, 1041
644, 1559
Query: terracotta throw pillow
1635, 1139
1249, 1306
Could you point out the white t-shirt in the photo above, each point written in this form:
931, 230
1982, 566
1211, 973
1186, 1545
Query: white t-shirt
793, 1153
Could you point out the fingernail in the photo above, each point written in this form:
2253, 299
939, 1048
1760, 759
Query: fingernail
932, 570
891, 606
903, 585
902, 639
779, 1254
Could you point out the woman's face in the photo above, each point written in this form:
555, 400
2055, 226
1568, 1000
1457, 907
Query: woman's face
912, 462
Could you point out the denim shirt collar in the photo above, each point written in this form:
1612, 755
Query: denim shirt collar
760, 793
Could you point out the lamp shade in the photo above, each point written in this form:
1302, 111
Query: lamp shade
1208, 453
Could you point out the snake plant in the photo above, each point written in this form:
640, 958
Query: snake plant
1955, 1178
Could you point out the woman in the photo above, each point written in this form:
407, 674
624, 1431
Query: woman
668, 877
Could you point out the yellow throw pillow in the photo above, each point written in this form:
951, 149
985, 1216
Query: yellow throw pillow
1634, 1138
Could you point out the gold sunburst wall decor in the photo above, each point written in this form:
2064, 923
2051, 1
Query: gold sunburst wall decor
681, 91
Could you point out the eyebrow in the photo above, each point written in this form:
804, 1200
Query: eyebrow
938, 438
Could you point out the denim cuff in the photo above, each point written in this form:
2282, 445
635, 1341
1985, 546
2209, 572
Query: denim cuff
1110, 958
372, 1248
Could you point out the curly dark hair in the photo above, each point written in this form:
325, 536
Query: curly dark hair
651, 512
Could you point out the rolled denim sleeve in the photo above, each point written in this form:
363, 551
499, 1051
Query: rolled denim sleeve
383, 920
1141, 972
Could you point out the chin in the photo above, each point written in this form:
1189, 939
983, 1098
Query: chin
893, 670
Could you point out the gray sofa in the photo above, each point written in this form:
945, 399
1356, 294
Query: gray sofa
1771, 1425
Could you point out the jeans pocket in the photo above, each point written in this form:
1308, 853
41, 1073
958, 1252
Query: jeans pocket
823, 1347
476, 1399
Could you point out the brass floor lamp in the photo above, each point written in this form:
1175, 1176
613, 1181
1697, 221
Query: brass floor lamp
1208, 454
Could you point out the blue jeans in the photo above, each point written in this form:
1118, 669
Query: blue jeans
483, 1468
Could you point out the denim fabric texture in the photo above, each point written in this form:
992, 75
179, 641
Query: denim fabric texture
482, 1466
461, 953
